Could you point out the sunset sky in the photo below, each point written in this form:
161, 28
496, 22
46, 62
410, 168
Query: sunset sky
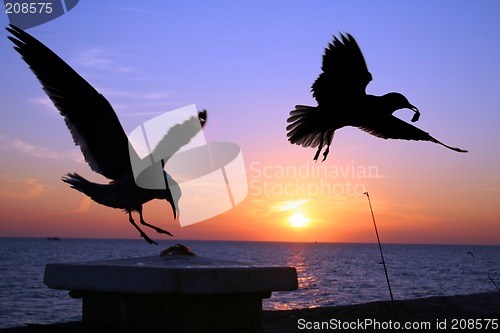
249, 63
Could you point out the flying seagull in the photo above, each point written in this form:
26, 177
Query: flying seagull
95, 127
342, 101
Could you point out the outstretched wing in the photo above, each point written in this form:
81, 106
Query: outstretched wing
178, 136
394, 128
90, 118
344, 72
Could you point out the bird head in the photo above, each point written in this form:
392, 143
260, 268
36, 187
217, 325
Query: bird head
202, 116
395, 101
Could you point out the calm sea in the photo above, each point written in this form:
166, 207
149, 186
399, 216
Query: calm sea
329, 273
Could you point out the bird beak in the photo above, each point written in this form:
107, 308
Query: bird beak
413, 108
416, 116
174, 208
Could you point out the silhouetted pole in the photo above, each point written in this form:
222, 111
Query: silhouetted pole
382, 256
489, 276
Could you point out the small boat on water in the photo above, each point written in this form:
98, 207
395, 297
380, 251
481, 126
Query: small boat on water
53, 238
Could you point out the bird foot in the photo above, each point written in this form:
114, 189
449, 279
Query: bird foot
161, 231
155, 228
149, 240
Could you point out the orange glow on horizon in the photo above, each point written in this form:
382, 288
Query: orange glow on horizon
332, 202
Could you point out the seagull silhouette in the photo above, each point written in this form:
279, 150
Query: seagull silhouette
95, 127
342, 101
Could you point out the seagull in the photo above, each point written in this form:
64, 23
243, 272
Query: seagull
95, 128
342, 101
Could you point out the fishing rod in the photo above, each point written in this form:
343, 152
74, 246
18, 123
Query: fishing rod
382, 256
489, 277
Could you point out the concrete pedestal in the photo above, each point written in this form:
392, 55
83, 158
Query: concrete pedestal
173, 293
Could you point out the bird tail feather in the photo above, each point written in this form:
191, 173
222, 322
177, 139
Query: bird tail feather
96, 192
306, 126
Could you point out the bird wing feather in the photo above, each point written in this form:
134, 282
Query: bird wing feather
179, 135
89, 116
344, 72
394, 128
391, 127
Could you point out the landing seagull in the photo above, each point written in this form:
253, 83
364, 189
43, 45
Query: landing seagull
342, 101
95, 127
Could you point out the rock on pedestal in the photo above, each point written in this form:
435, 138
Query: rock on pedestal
172, 293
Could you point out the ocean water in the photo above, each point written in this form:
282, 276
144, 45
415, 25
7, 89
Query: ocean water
329, 273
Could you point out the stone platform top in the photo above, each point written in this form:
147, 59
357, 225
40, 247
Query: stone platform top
170, 274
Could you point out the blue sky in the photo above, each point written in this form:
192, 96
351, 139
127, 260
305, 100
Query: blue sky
248, 63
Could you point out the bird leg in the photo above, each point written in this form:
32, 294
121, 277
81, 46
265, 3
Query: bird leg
329, 142
158, 230
320, 146
315, 159
325, 153
143, 235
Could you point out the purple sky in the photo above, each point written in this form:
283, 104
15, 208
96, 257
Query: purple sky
248, 63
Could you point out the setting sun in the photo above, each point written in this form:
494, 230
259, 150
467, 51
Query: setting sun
298, 220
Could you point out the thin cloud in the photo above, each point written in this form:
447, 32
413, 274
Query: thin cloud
145, 96
139, 102
105, 61
94, 57
95, 63
84, 205
37, 151
34, 150
132, 100
45, 102
21, 189
288, 205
